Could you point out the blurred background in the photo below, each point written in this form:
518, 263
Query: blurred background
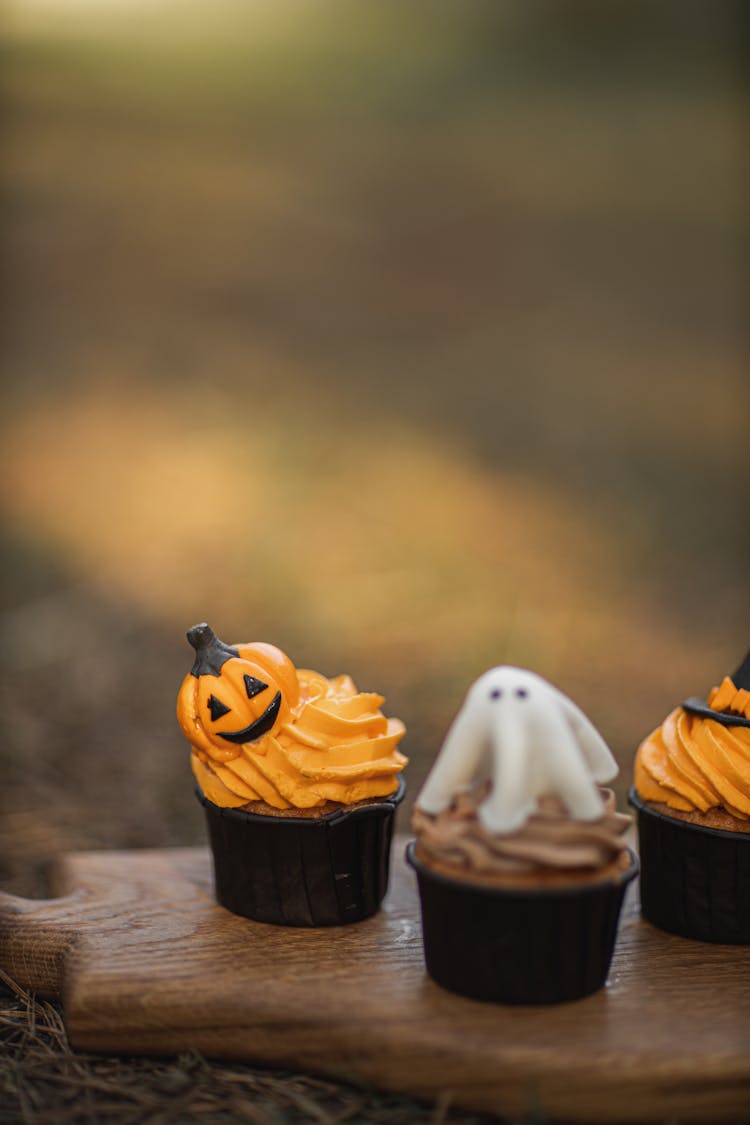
407, 337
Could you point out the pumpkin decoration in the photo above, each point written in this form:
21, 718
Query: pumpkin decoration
234, 694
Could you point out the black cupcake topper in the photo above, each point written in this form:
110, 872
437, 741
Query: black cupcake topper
741, 680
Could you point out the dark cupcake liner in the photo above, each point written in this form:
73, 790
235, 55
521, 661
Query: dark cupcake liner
293, 871
695, 881
518, 945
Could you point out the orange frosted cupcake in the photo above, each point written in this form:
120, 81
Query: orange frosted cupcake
692, 793
299, 776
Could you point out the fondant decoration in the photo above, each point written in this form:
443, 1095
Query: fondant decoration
233, 695
530, 740
728, 704
265, 731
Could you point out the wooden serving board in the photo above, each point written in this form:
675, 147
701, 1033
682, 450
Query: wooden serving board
146, 962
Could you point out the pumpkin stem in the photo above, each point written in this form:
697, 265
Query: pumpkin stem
211, 653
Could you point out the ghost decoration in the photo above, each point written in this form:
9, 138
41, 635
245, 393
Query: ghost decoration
530, 740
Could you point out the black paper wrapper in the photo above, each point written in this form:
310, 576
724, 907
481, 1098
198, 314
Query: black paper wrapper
517, 945
695, 881
294, 871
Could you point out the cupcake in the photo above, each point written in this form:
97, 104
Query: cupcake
519, 850
299, 776
692, 793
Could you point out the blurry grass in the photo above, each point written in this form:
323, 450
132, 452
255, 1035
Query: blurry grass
335, 535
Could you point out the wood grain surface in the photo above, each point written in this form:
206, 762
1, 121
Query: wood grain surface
146, 962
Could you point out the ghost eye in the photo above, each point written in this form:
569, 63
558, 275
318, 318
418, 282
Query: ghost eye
253, 686
217, 708
521, 692
496, 693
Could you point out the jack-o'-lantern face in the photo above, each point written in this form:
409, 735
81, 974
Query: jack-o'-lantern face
234, 694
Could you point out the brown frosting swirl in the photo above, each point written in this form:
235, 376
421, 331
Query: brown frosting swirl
549, 843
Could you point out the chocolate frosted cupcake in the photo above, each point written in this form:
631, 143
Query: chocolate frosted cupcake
692, 793
519, 852
299, 778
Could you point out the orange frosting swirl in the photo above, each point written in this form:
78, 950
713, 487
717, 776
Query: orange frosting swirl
335, 745
693, 764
